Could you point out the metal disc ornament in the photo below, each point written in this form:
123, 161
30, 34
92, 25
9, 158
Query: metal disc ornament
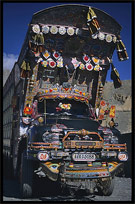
82, 66
70, 31
44, 63
54, 30
89, 67
36, 28
45, 29
101, 36
62, 30
52, 64
97, 67
108, 38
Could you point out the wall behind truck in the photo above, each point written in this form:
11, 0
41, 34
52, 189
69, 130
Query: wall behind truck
122, 99
8, 92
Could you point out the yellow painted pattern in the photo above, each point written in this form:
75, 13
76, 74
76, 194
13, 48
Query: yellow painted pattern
88, 171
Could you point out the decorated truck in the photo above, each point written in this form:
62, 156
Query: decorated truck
62, 128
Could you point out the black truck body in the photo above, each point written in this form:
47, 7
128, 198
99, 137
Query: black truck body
56, 105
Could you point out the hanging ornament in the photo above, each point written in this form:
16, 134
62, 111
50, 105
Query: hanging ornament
95, 60
39, 60
112, 112
44, 63
28, 66
77, 31
52, 64
46, 54
60, 62
75, 62
56, 55
86, 58
114, 39
92, 22
97, 67
101, 117
115, 77
23, 66
81, 66
37, 54
36, 28
89, 67
28, 110
121, 50
94, 36
102, 103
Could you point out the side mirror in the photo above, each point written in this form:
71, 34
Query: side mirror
26, 120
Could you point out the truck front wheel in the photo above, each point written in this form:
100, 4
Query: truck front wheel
105, 187
26, 177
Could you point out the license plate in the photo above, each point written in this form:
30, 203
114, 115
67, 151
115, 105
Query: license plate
83, 157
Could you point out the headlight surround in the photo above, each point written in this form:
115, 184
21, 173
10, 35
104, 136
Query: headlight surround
43, 156
123, 156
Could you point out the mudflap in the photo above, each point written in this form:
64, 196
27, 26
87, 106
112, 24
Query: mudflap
87, 185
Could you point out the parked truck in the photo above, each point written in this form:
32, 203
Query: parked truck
60, 126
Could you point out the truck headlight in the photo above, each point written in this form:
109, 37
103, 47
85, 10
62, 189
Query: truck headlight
40, 119
122, 156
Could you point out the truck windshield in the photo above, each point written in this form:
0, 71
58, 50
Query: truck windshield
65, 106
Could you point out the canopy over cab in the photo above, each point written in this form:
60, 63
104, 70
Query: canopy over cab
67, 53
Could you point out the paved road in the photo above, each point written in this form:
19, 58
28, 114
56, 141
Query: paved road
122, 192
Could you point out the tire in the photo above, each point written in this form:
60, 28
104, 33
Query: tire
7, 167
26, 177
106, 187
14, 160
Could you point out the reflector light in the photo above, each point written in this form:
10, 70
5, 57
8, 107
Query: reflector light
71, 165
103, 163
89, 163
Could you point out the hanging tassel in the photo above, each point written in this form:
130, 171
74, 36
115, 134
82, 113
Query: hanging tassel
28, 67
92, 22
115, 77
23, 66
40, 42
23, 74
121, 50
23, 69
